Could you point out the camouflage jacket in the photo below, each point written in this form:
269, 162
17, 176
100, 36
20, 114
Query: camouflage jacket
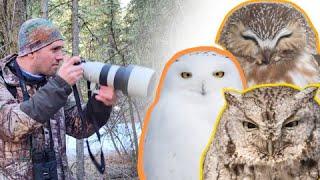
25, 122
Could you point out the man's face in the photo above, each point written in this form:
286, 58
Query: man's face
47, 59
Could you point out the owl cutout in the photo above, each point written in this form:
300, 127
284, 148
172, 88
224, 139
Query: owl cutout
274, 41
266, 132
178, 123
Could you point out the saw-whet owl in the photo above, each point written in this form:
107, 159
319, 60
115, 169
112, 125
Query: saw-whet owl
267, 133
182, 120
274, 42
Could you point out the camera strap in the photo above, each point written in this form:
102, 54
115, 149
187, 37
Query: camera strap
22, 83
101, 166
11, 89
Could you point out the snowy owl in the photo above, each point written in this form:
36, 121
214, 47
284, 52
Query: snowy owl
183, 117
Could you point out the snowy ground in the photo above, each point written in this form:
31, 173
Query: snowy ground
107, 145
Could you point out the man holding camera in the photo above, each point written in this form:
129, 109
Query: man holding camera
37, 108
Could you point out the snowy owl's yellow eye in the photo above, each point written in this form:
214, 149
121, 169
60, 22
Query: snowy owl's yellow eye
218, 74
186, 75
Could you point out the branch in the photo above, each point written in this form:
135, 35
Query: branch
86, 26
2, 48
114, 38
113, 142
55, 7
138, 113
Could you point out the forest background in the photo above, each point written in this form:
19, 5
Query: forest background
109, 31
142, 32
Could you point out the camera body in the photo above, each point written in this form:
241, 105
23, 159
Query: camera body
44, 165
133, 80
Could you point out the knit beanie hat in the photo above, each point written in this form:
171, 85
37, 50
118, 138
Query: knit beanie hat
35, 34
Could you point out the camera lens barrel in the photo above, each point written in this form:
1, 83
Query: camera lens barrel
131, 80
115, 76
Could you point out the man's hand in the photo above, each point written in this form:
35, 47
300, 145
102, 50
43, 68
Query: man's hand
106, 95
69, 72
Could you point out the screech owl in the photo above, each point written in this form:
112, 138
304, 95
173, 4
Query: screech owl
267, 133
180, 124
273, 41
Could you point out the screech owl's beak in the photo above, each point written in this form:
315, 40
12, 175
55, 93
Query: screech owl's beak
270, 147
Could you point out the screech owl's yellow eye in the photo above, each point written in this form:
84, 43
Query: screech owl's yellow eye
218, 74
186, 75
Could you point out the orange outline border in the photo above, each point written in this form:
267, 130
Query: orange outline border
160, 85
226, 17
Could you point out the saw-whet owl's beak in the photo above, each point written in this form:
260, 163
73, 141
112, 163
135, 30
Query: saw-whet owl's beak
266, 56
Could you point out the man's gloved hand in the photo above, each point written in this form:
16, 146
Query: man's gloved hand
69, 72
106, 95
98, 110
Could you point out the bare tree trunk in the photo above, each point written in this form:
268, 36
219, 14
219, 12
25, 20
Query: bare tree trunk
127, 129
138, 111
114, 44
44, 8
113, 141
133, 125
12, 15
75, 28
75, 51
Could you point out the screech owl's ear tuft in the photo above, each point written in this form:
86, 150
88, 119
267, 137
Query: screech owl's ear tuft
306, 95
233, 98
317, 58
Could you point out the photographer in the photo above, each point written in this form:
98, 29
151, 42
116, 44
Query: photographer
37, 107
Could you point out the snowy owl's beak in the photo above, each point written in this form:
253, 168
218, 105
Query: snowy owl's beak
203, 90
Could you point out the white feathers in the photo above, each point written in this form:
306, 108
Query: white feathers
267, 43
182, 120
